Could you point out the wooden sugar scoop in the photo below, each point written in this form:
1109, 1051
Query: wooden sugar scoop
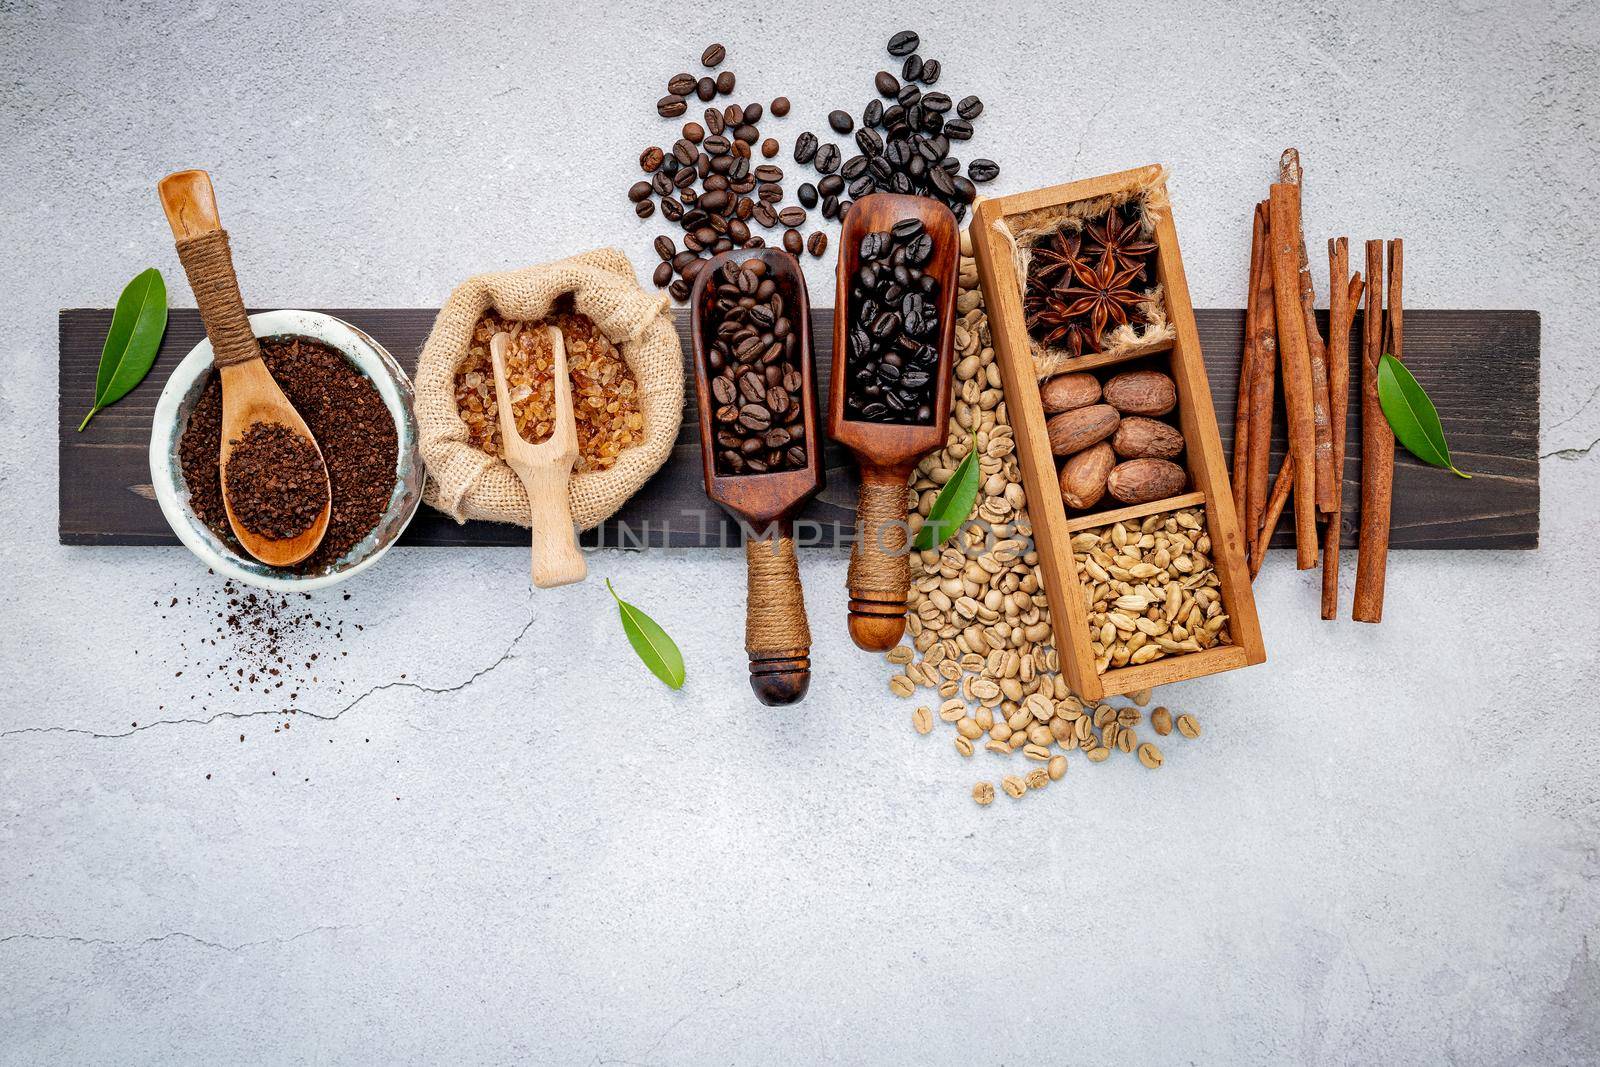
249, 393
776, 634
880, 569
545, 470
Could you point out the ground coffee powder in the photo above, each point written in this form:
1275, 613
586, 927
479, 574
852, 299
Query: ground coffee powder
346, 416
276, 486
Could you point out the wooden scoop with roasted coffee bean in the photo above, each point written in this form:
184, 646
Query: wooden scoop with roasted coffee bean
754, 382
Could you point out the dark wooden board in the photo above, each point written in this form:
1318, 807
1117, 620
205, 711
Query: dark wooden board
1481, 367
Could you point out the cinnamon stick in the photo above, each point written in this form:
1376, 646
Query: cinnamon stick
1344, 295
1291, 172
1280, 494
1377, 441
1261, 326
1294, 357
1247, 362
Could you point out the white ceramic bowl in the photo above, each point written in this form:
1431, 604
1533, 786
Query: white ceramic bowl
178, 399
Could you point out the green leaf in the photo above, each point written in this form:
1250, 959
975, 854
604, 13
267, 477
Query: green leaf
651, 642
1411, 414
132, 341
954, 504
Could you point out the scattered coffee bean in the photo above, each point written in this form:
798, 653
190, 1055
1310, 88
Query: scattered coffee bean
705, 89
663, 274
983, 170
903, 43
639, 191
645, 208
754, 361
817, 243
792, 216
650, 159
827, 160
681, 84
887, 84
713, 55
780, 106
892, 358
805, 148
693, 132
769, 148
671, 106
930, 72
912, 70
807, 195
792, 242
841, 121
970, 107
725, 82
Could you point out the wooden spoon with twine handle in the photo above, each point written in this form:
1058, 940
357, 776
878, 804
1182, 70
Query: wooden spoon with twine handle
545, 470
249, 393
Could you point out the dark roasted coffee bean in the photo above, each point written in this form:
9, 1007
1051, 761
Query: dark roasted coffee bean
841, 121
930, 72
909, 97
807, 195
725, 82
715, 145
679, 290
671, 209
765, 214
671, 106
906, 229
663, 275
958, 130
705, 89
887, 84
830, 207
903, 43
713, 55
942, 183
817, 243
684, 151
738, 232
912, 69
753, 113
792, 216
714, 120
844, 208
983, 170
650, 159
869, 142
854, 167
938, 103
805, 148
827, 160
680, 84
639, 191
970, 107
665, 248
831, 185
645, 208
872, 114
964, 189
862, 186
791, 242
768, 173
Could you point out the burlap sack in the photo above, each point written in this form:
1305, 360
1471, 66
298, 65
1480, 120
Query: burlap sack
465, 483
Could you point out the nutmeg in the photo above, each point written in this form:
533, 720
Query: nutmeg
1141, 392
1075, 430
1140, 438
1083, 476
1067, 391
1139, 481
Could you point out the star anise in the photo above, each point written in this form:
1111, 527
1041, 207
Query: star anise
1118, 239
1054, 325
1103, 294
1053, 258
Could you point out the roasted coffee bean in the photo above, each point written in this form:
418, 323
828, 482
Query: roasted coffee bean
645, 208
780, 106
680, 84
894, 321
705, 89
841, 121
908, 97
912, 69
679, 290
769, 147
765, 214
753, 113
792, 242
938, 103
639, 191
970, 107
887, 84
713, 55
872, 114
792, 216
771, 194
831, 185
807, 195
665, 248
903, 43
817, 243
693, 132
733, 115
663, 275
930, 72
854, 167
671, 106
827, 160
768, 173
714, 121
805, 148
958, 130
964, 189
869, 142
830, 207
650, 159
983, 170
725, 82
671, 209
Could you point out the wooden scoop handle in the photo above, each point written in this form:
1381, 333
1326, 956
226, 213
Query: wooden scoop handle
880, 568
191, 208
776, 634
545, 470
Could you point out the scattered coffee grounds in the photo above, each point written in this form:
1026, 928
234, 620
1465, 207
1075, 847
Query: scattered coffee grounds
755, 373
345, 414
276, 484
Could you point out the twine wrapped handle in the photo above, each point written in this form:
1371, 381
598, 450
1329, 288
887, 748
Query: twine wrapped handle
208, 262
776, 634
880, 569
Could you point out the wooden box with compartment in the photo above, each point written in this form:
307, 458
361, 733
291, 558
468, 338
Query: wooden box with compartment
1133, 517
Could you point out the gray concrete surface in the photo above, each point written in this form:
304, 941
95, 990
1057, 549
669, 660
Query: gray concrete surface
491, 837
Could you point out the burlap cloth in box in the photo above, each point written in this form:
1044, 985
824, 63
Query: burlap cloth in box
465, 483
